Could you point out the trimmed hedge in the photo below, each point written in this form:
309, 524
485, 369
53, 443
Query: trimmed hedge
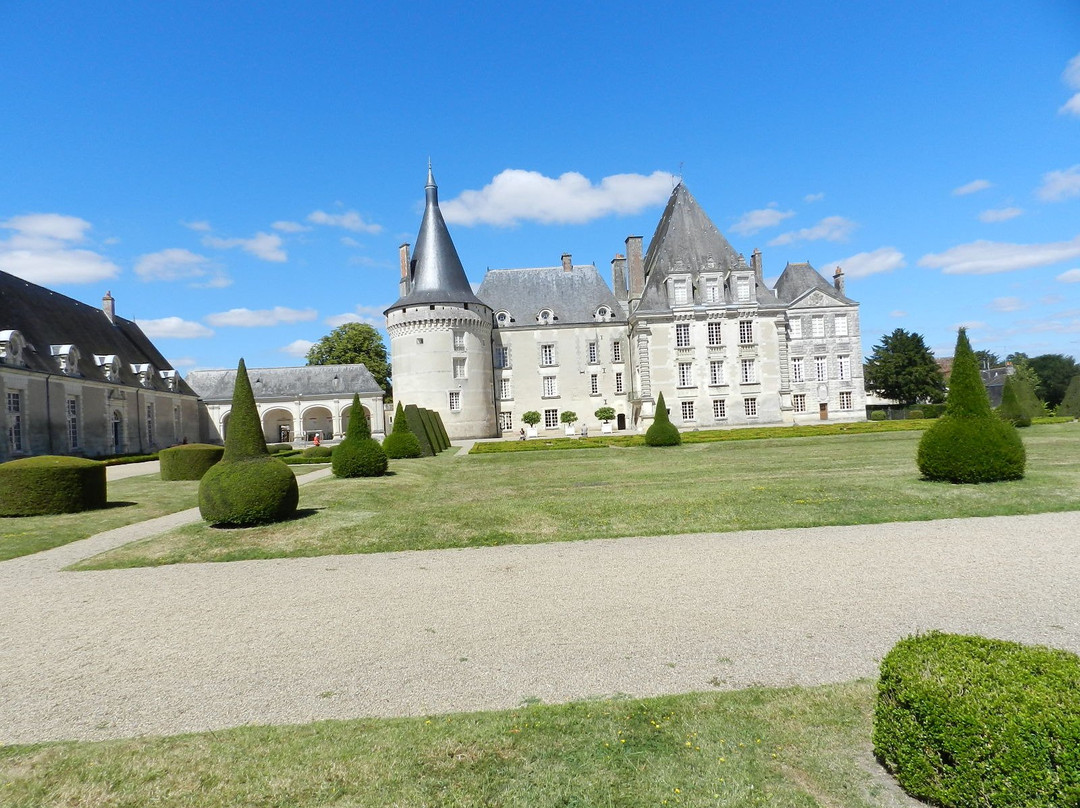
915, 415
964, 721
441, 428
662, 432
188, 462
401, 442
877, 415
416, 426
317, 451
278, 448
359, 455
36, 486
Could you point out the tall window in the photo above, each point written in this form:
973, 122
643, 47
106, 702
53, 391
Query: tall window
504, 389
14, 413
821, 368
840, 325
686, 374
593, 353
459, 340
719, 408
506, 421
679, 290
750, 407
71, 411
551, 418
547, 354
817, 326
797, 371
798, 402
455, 401
687, 410
682, 335
150, 424
742, 285
716, 331
551, 389
618, 381
616, 351
117, 431
845, 400
796, 328
502, 356
594, 384
747, 371
716, 372
712, 290
459, 367
746, 332
843, 367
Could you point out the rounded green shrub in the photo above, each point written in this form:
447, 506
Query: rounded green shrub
188, 462
401, 442
877, 415
317, 451
248, 492
964, 721
359, 455
662, 432
35, 486
915, 415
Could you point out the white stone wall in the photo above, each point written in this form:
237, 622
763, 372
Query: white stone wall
823, 396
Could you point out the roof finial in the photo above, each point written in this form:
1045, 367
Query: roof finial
430, 176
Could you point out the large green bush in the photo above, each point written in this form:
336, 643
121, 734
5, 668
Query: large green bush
416, 426
662, 432
1070, 404
877, 415
915, 415
967, 721
318, 451
248, 486
970, 443
35, 486
359, 455
188, 462
401, 442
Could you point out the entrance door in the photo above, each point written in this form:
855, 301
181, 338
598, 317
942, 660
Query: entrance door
823, 410
620, 421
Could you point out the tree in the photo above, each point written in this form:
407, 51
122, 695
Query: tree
568, 417
401, 442
1023, 371
1055, 372
359, 455
662, 432
353, 343
605, 414
532, 417
903, 369
1070, 405
988, 359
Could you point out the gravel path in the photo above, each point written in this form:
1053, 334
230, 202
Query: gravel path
194, 647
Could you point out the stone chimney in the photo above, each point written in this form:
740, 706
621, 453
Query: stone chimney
838, 280
635, 267
403, 259
108, 305
567, 262
618, 277
755, 264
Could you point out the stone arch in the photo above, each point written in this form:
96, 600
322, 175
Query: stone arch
346, 412
317, 419
224, 425
278, 426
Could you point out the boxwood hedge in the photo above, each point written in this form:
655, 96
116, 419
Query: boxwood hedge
34, 486
662, 432
401, 442
188, 462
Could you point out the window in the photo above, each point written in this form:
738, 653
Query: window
616, 351
594, 384
150, 424
593, 353
618, 381
821, 368
117, 431
742, 286
750, 407
746, 332
712, 290
459, 367
716, 372
506, 421
796, 328
840, 325
797, 372
545, 317
686, 374
817, 326
14, 416
551, 418
719, 408
603, 313
459, 340
747, 371
679, 292
455, 401
798, 402
843, 367
547, 355
71, 411
503, 318
502, 356
504, 389
687, 410
845, 400
682, 335
716, 331
551, 389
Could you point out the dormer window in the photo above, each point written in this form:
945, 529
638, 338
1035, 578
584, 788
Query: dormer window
680, 291
603, 314
502, 318
545, 317
742, 289
110, 366
144, 373
170, 378
12, 346
67, 358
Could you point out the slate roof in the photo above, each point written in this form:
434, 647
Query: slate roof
46, 318
309, 381
435, 268
573, 296
798, 279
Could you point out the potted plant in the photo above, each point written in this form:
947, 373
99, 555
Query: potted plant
531, 419
569, 417
605, 414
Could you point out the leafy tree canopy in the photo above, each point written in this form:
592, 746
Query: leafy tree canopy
532, 417
353, 343
568, 416
1055, 372
1023, 371
988, 359
903, 369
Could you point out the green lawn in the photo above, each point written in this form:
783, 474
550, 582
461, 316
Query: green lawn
524, 497
792, 747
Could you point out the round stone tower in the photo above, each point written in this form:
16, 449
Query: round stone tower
440, 333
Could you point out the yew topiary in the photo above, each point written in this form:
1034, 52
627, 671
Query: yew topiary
970, 443
440, 428
662, 432
1011, 409
359, 455
1070, 404
36, 486
416, 426
248, 486
188, 462
401, 442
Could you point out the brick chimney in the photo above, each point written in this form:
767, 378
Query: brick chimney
838, 280
635, 267
108, 305
618, 277
567, 262
403, 258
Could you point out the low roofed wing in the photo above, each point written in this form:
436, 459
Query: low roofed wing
798, 279
291, 382
572, 296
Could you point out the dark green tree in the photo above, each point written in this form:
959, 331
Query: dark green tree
1023, 371
353, 343
401, 442
1070, 404
1012, 409
1055, 372
987, 359
903, 369
359, 455
531, 417
661, 431
605, 414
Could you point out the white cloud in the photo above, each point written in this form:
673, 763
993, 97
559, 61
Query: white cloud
972, 187
860, 265
202, 226
999, 215
250, 318
266, 246
1069, 276
831, 228
988, 257
814, 197
372, 315
1072, 106
350, 220
40, 249
298, 347
217, 281
349, 241
49, 226
171, 264
897, 313
1058, 186
183, 362
290, 227
1071, 77
515, 195
755, 220
970, 325
1006, 304
174, 328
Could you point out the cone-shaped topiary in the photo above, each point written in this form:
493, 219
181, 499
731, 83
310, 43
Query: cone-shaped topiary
1017, 402
416, 426
248, 486
662, 432
1070, 404
970, 444
401, 442
359, 455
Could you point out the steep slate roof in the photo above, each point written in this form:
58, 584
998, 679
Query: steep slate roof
309, 381
572, 296
47, 318
798, 279
435, 268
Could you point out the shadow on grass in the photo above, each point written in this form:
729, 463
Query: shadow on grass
117, 504
301, 513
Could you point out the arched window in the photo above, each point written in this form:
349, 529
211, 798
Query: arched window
502, 318
603, 313
12, 345
545, 317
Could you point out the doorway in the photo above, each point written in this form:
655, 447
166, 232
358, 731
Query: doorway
823, 411
620, 421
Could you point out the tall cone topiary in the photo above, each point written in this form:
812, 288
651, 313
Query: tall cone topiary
247, 486
1070, 404
970, 443
401, 442
359, 455
662, 432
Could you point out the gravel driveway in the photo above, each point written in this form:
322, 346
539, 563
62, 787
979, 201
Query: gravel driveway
186, 648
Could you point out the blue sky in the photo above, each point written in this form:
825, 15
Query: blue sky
240, 176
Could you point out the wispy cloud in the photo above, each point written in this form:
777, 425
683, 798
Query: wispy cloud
350, 220
371, 315
1006, 304
174, 263
898, 313
1057, 186
810, 198
972, 187
831, 228
201, 226
290, 227
174, 328
755, 220
183, 362
266, 246
253, 318
970, 325
41, 249
860, 265
298, 347
1071, 77
999, 215
1069, 276
515, 196
989, 257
